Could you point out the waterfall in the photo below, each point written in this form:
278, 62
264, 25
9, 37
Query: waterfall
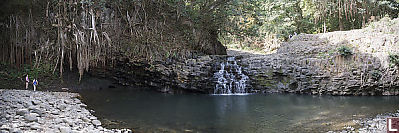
230, 79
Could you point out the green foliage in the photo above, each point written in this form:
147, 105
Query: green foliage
11, 73
252, 23
326, 55
259, 19
394, 59
344, 51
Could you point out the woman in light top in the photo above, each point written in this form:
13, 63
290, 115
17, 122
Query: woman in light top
27, 81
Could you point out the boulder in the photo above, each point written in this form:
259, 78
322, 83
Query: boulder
96, 122
31, 117
65, 129
22, 112
35, 102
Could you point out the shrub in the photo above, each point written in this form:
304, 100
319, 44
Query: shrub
394, 59
345, 51
376, 74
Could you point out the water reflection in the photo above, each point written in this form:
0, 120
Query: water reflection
230, 104
155, 112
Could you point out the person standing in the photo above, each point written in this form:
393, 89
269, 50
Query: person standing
26, 81
34, 84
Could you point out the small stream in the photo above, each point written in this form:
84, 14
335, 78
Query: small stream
149, 111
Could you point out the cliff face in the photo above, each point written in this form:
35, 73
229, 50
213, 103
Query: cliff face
313, 63
191, 75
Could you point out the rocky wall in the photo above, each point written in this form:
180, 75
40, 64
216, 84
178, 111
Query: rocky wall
306, 64
313, 66
191, 75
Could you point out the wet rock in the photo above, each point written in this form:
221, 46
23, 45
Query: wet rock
83, 105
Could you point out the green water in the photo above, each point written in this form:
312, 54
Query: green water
147, 111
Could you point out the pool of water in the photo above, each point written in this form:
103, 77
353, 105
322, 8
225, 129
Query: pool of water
147, 111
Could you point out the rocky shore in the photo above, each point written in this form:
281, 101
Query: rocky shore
28, 111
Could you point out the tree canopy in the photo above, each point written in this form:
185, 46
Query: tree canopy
251, 21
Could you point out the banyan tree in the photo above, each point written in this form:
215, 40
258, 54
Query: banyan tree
80, 34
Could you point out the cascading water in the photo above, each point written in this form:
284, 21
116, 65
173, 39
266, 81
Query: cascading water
230, 79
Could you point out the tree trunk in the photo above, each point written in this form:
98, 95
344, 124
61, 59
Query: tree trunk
341, 25
300, 17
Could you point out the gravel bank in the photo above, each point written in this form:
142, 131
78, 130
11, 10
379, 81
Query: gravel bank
377, 124
28, 111
371, 125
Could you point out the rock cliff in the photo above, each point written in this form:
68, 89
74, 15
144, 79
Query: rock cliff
313, 64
